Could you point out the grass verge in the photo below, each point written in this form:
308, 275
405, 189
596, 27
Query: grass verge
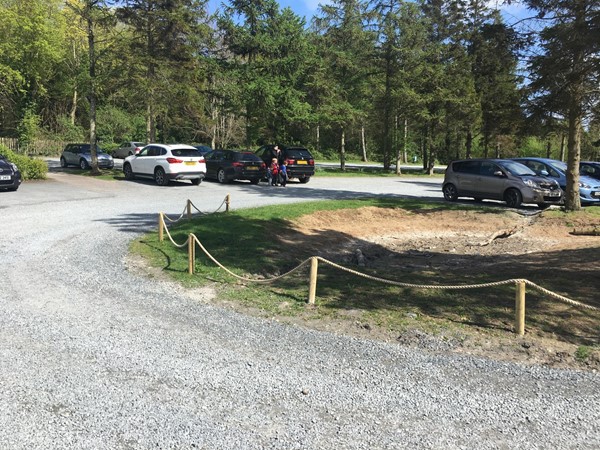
249, 242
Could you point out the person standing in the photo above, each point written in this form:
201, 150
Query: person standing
273, 172
283, 176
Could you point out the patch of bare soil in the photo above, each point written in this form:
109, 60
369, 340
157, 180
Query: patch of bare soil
505, 245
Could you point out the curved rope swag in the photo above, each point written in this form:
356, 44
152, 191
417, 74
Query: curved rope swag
371, 277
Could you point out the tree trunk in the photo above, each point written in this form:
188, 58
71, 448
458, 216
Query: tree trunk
548, 149
405, 142
318, 138
469, 144
343, 151
363, 144
73, 113
92, 94
562, 146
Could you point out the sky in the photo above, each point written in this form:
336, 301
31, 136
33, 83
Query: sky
308, 8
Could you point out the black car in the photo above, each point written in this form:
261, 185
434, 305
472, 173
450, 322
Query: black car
203, 149
228, 165
300, 162
10, 176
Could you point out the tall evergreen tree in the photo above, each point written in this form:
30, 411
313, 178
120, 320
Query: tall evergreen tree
565, 75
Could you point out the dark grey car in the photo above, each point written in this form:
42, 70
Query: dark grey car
80, 155
499, 179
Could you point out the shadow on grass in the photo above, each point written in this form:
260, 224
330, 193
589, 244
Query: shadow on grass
260, 244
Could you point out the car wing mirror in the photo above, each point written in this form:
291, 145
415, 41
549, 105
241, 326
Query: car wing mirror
498, 173
544, 173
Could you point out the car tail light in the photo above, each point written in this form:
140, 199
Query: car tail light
290, 161
263, 166
237, 164
311, 162
137, 150
174, 161
201, 159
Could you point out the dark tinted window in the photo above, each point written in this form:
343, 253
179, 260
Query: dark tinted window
191, 152
466, 167
244, 156
297, 153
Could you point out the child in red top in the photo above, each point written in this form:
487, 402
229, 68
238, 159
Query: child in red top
273, 172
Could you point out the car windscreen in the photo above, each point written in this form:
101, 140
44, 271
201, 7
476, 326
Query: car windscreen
560, 165
183, 152
295, 153
517, 169
247, 157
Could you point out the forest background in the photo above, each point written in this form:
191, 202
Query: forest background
385, 80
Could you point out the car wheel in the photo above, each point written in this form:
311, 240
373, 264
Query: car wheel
304, 180
450, 192
161, 177
543, 205
83, 164
196, 181
513, 198
63, 162
221, 176
254, 180
128, 172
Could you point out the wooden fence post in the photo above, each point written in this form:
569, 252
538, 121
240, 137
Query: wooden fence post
191, 254
161, 226
189, 209
312, 284
227, 202
520, 308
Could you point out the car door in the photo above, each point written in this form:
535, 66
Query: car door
467, 176
212, 163
70, 154
142, 163
491, 182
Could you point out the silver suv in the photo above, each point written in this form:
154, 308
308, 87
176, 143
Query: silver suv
499, 179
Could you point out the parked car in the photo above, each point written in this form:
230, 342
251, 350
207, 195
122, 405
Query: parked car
80, 155
164, 163
229, 165
127, 149
589, 188
203, 149
499, 179
10, 176
300, 162
590, 169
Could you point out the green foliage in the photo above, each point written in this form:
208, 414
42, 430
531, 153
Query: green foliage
30, 168
29, 128
582, 353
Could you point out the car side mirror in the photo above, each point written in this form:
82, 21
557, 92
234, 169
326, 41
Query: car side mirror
544, 173
498, 173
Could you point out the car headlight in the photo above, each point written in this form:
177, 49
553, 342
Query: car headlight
584, 186
531, 184
14, 166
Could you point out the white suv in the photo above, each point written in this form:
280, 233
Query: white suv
164, 163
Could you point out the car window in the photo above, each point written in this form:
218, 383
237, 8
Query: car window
471, 167
297, 153
246, 156
145, 151
154, 151
261, 152
488, 168
185, 152
517, 168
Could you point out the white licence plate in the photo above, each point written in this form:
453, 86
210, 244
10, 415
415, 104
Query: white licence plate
4, 177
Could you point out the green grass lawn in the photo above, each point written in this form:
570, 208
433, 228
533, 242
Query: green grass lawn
241, 241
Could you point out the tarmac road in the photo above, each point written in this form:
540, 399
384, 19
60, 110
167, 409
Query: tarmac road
93, 356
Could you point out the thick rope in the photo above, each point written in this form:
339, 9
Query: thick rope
559, 297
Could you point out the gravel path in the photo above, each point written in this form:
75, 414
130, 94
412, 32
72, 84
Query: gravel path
94, 357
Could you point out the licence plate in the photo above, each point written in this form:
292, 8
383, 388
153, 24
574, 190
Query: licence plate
554, 194
301, 162
596, 194
190, 163
4, 177
252, 168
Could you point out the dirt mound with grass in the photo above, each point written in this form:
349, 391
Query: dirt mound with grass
540, 247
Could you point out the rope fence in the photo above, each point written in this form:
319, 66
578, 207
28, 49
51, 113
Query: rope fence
192, 242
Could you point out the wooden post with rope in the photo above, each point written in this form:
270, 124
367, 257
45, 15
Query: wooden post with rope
161, 226
189, 209
227, 202
312, 285
191, 254
520, 308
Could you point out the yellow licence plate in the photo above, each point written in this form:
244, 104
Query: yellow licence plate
301, 162
252, 168
190, 163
